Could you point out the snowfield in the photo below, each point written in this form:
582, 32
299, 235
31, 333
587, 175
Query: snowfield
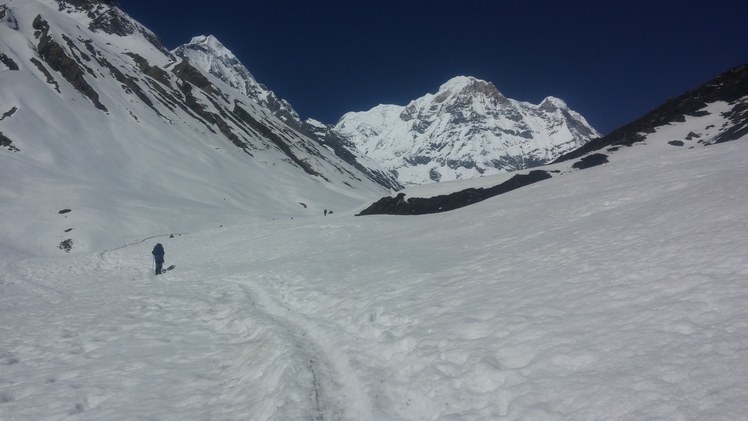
619, 292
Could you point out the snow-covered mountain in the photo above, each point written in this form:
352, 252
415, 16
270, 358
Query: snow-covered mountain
612, 293
208, 54
92, 105
715, 112
467, 129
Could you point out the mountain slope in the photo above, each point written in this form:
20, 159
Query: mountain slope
208, 54
613, 293
467, 129
93, 104
713, 113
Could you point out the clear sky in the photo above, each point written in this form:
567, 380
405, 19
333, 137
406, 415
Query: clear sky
610, 60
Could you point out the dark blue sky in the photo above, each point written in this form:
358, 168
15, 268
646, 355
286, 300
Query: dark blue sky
612, 60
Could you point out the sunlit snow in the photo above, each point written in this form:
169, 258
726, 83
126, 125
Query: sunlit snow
617, 292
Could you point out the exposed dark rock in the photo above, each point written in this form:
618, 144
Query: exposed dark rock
9, 113
729, 87
155, 72
112, 21
188, 73
128, 83
66, 245
59, 61
419, 206
738, 115
8, 62
5, 142
64, 211
51, 80
434, 175
591, 161
676, 143
7, 15
86, 4
269, 134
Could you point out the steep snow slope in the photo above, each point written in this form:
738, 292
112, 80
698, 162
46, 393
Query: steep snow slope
208, 54
98, 118
465, 130
617, 293
717, 112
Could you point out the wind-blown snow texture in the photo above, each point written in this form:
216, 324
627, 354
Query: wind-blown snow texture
465, 130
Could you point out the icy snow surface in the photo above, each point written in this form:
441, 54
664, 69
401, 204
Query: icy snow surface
617, 292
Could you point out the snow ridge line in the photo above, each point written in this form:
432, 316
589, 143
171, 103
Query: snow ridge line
336, 392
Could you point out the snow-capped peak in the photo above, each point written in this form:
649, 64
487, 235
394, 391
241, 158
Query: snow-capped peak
212, 45
467, 129
553, 102
210, 55
461, 83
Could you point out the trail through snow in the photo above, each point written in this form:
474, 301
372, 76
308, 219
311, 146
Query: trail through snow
620, 292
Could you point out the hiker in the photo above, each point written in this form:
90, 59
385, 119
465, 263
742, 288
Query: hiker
158, 256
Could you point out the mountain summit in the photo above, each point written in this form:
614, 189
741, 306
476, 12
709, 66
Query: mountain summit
467, 129
207, 53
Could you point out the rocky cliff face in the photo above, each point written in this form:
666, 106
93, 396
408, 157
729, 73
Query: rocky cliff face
465, 130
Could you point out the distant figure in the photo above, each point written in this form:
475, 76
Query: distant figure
325, 212
158, 256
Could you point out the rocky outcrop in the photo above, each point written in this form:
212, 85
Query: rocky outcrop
58, 60
400, 205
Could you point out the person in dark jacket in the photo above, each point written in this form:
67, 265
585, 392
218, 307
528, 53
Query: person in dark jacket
158, 255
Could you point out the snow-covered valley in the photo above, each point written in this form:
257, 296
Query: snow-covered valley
617, 292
